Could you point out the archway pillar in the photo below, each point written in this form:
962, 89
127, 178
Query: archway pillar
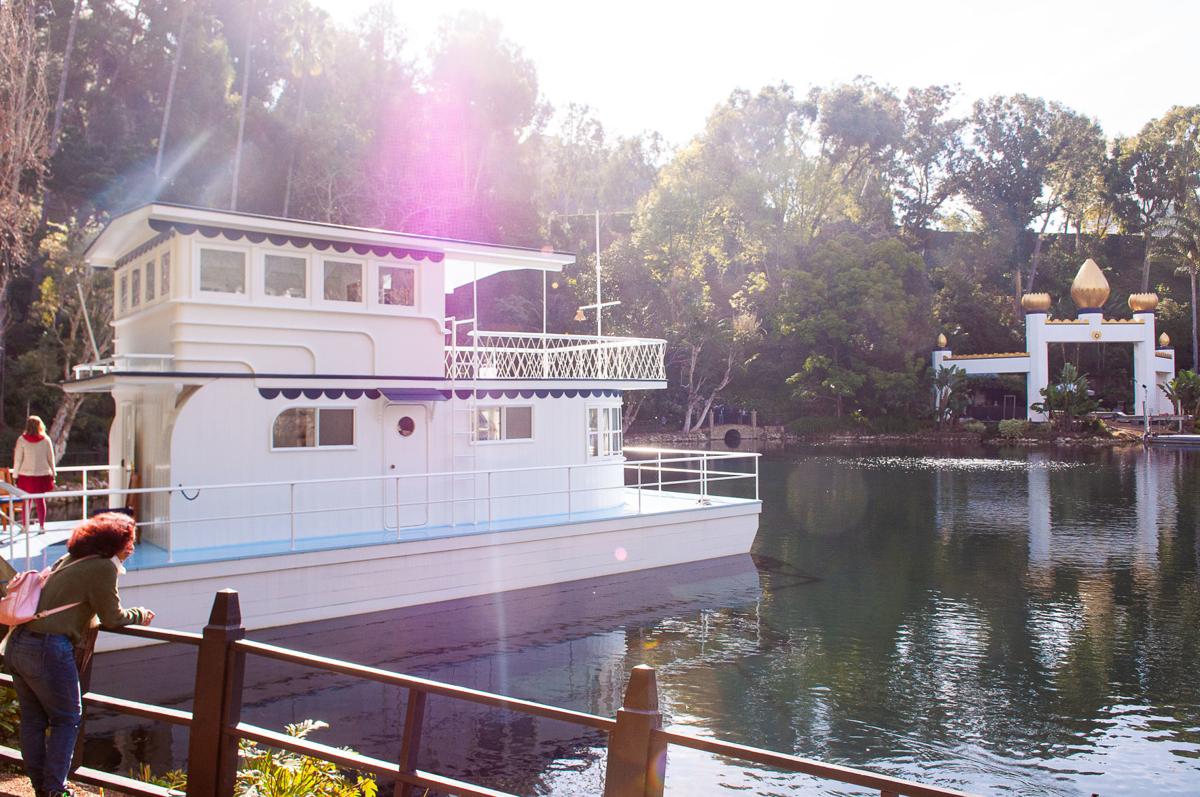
1039, 362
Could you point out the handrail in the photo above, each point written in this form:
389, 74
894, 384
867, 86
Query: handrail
424, 685
807, 766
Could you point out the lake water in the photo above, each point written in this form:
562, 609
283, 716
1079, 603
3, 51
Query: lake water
1013, 622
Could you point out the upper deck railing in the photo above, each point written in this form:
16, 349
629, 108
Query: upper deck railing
531, 355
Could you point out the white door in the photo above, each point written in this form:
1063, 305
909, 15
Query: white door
405, 452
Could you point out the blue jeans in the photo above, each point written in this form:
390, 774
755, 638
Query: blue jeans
47, 684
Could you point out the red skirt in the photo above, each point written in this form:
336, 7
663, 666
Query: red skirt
36, 484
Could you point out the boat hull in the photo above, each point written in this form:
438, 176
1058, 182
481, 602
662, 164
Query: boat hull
292, 588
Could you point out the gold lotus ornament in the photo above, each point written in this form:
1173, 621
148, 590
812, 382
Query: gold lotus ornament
1036, 302
1090, 288
1164, 340
941, 341
1143, 302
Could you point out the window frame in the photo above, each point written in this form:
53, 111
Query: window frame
608, 439
122, 282
150, 280
376, 280
364, 276
164, 275
221, 296
504, 439
316, 446
135, 288
260, 278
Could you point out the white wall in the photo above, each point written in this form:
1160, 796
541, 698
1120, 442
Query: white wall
222, 435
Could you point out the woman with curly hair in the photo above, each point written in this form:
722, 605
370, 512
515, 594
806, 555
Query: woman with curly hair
82, 587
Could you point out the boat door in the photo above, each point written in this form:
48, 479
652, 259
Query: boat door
405, 452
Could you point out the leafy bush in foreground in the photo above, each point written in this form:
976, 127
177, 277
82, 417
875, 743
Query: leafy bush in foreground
279, 773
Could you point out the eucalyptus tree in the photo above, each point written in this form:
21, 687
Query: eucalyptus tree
1154, 173
1025, 159
1182, 250
929, 161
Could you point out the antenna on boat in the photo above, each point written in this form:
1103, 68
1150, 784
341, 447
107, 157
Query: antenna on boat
599, 305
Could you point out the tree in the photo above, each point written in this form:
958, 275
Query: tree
1184, 393
1027, 157
1183, 251
24, 146
929, 160
1066, 401
74, 312
1154, 173
950, 395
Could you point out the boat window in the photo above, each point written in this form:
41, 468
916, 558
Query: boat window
335, 427
222, 271
504, 423
518, 423
343, 281
397, 286
135, 288
605, 437
164, 284
149, 281
487, 423
123, 293
285, 276
312, 427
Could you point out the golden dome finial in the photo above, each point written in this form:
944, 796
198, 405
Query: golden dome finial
1143, 302
1036, 302
1090, 288
1164, 340
941, 341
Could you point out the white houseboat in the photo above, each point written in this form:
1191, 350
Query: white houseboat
297, 419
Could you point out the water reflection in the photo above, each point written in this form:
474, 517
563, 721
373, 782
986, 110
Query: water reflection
1026, 623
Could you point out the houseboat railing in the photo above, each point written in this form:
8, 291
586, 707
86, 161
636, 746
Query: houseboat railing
533, 355
689, 477
636, 763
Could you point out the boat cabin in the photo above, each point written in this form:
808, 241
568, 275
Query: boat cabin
302, 381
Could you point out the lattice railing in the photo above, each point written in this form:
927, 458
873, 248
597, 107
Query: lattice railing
520, 355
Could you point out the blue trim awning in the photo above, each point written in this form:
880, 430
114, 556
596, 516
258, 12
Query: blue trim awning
414, 394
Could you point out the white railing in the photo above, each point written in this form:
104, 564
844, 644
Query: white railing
124, 362
683, 478
531, 355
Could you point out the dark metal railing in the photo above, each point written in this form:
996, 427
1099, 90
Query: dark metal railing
637, 744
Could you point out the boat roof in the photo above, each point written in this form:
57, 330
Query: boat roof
127, 230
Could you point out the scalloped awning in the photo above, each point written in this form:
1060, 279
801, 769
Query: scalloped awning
426, 394
320, 244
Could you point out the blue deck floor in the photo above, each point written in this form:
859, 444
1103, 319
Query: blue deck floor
46, 548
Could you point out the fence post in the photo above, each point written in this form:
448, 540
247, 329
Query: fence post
83, 663
414, 719
217, 704
637, 765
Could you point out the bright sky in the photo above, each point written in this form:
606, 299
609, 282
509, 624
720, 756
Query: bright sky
663, 64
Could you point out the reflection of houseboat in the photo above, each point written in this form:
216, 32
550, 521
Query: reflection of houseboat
304, 425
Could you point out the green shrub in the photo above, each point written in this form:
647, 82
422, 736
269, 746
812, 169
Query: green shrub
974, 427
822, 425
1014, 427
10, 716
279, 773
897, 424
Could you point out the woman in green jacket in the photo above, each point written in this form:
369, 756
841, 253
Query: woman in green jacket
41, 653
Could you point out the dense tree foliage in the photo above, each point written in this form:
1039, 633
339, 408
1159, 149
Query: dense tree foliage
799, 254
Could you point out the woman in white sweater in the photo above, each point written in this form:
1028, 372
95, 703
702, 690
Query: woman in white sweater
33, 464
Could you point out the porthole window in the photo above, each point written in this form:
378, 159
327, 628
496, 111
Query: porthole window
406, 426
